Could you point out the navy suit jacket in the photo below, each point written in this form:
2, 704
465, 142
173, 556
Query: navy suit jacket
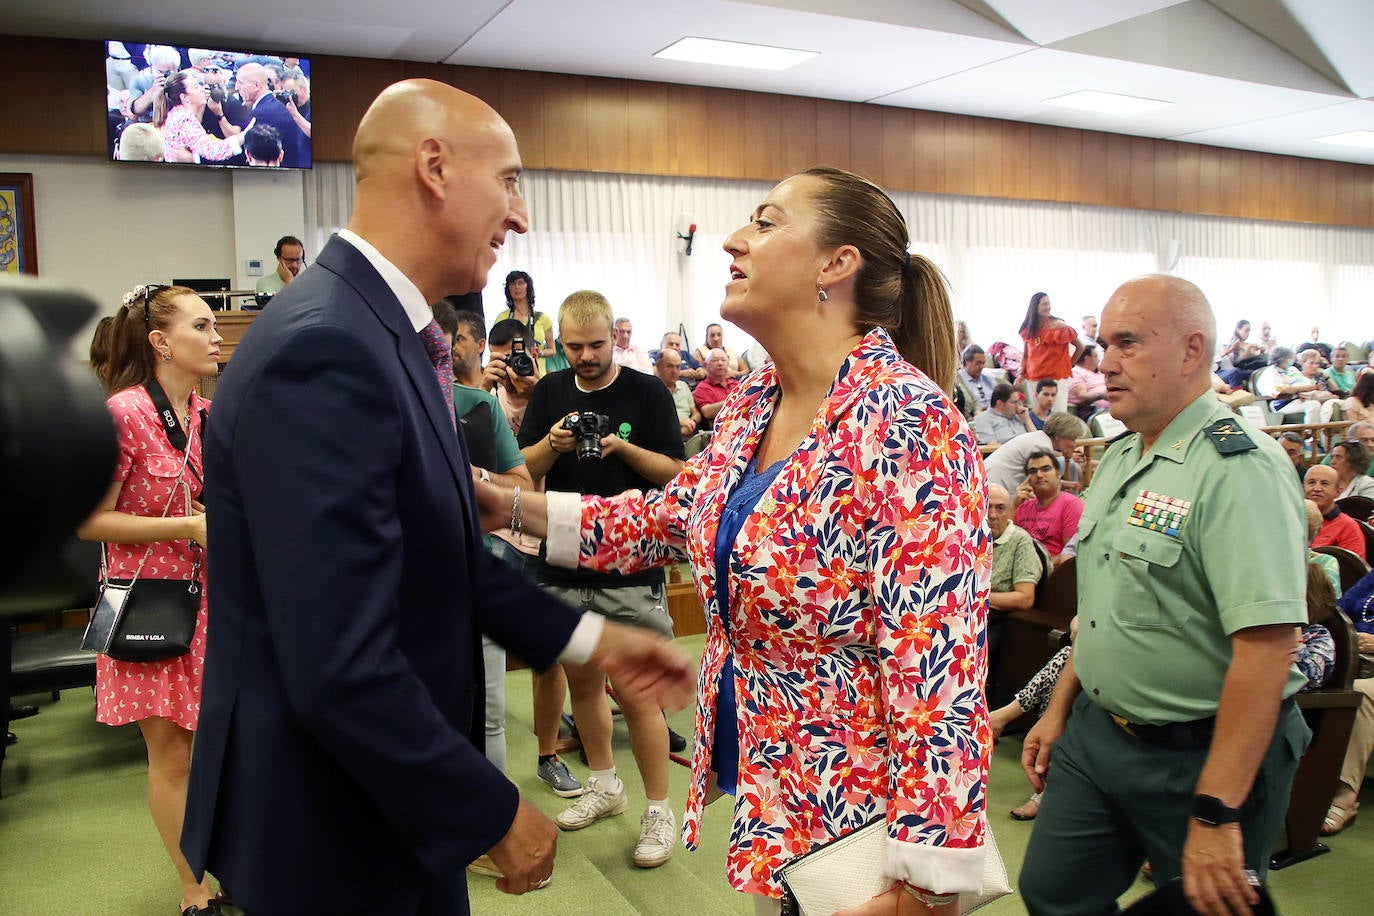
295, 146
338, 763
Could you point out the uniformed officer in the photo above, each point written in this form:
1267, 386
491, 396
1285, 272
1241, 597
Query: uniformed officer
1183, 739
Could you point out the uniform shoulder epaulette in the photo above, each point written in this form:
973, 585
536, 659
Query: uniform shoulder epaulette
1117, 438
1229, 438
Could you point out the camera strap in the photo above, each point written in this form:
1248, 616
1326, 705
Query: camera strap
176, 436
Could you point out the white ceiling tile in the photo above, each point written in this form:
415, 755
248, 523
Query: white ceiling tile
1344, 30
1294, 134
1046, 21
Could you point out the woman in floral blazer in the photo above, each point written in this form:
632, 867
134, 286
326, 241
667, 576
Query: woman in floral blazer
846, 616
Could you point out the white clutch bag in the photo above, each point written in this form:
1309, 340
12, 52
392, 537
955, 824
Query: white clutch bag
848, 871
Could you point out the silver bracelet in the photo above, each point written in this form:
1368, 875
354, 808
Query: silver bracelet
517, 518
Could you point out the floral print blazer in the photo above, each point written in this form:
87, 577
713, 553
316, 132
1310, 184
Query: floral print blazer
857, 603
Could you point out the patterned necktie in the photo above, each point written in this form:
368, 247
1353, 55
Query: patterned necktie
436, 345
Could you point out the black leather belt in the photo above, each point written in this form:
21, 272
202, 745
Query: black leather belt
1178, 736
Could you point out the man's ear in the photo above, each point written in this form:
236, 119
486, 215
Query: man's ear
431, 167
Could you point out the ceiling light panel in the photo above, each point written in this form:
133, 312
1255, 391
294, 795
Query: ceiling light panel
1110, 103
733, 54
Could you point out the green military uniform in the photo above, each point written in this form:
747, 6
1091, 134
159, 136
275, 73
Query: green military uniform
1162, 586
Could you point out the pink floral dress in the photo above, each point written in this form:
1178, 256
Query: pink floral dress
148, 467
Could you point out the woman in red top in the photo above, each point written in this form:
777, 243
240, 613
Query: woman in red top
162, 341
1052, 348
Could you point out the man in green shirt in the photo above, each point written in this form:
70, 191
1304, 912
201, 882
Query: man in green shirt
290, 259
1183, 739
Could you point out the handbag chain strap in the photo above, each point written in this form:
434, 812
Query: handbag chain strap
186, 491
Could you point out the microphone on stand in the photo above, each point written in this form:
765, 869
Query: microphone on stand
688, 238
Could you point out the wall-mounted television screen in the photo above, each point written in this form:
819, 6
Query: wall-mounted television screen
205, 106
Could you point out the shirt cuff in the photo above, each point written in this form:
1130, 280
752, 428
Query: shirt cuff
563, 541
584, 639
938, 869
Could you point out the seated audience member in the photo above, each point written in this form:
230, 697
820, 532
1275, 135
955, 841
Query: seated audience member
1311, 369
974, 380
1006, 417
625, 353
1043, 509
1329, 565
1358, 604
1267, 341
511, 389
1363, 433
962, 338
1088, 386
1360, 405
692, 371
1234, 398
1292, 393
1338, 529
1340, 378
1007, 465
1046, 390
1351, 460
754, 357
1006, 357
668, 368
1295, 446
262, 146
1087, 336
715, 340
1016, 567
1314, 342
710, 393
141, 142
290, 259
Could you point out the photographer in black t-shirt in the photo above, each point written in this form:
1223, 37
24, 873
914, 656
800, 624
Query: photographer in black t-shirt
642, 449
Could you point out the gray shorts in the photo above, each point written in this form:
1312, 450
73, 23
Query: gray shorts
635, 605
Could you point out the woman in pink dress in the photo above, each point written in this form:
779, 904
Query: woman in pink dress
177, 113
160, 342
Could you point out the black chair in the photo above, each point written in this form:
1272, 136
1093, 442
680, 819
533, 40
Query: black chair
1368, 538
1352, 567
1330, 713
1360, 508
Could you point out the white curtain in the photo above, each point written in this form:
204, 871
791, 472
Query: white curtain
618, 234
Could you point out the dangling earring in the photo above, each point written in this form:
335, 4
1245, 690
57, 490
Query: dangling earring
820, 293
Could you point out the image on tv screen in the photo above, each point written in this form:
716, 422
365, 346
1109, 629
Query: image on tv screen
202, 106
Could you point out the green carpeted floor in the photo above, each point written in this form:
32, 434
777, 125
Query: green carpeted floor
76, 837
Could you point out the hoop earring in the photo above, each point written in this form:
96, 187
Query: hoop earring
820, 293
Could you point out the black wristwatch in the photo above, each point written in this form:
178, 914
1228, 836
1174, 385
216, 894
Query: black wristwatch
1210, 810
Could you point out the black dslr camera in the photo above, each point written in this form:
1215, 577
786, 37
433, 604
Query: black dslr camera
285, 95
519, 362
588, 429
216, 94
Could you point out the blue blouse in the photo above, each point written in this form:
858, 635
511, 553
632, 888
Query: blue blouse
738, 507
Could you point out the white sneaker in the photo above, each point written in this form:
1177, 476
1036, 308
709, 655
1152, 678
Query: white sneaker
657, 837
594, 804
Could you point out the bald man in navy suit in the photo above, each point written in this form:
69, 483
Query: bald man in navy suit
338, 764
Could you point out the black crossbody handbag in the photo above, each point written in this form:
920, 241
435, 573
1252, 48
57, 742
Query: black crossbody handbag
149, 620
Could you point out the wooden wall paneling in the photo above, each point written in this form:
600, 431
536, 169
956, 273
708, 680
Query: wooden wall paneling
565, 122
800, 135
342, 89
899, 148
49, 103
608, 126
866, 141
959, 165
1166, 166
762, 133
725, 140
1189, 176
1119, 152
646, 107
520, 101
987, 157
1308, 204
1016, 160
689, 127
1233, 200
1251, 180
833, 132
1143, 193
1092, 176
1068, 164
1362, 196
928, 151
1042, 165
1267, 192
1290, 173
483, 82
1209, 175
1325, 180
1345, 192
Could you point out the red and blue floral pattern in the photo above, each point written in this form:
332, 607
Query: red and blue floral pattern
858, 599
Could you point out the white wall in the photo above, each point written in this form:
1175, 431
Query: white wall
105, 227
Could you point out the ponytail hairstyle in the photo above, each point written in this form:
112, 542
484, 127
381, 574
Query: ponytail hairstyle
170, 96
1031, 326
130, 358
100, 346
893, 289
